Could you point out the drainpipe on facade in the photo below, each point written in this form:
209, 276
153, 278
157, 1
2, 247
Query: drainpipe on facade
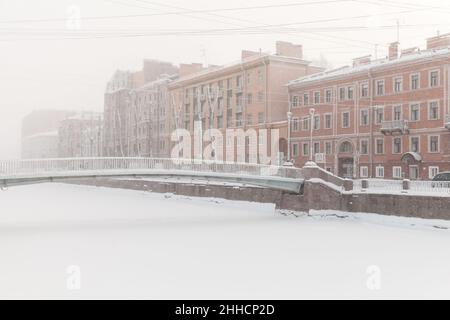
371, 121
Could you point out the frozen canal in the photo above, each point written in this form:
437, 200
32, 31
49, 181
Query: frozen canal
66, 241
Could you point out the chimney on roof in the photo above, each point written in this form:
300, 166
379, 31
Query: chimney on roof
439, 42
289, 49
187, 69
409, 51
393, 50
362, 61
245, 54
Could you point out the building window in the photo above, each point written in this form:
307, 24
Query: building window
249, 119
341, 94
415, 81
432, 172
249, 98
260, 97
413, 172
316, 97
364, 172
414, 112
305, 149
379, 115
316, 122
364, 90
397, 172
316, 147
397, 112
295, 101
328, 121
380, 146
295, 124
306, 122
379, 172
350, 93
346, 119
433, 110
346, 147
328, 148
328, 96
364, 147
380, 87
306, 99
295, 150
398, 85
364, 117
434, 78
433, 144
260, 117
397, 145
414, 144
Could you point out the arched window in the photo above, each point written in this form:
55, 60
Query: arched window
346, 147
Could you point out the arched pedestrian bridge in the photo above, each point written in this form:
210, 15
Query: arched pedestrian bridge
19, 172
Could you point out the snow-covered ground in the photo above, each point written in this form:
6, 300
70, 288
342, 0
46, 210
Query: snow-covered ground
68, 241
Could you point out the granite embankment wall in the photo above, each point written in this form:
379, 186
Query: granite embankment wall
320, 192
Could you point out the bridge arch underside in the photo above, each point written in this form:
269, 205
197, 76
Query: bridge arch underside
276, 183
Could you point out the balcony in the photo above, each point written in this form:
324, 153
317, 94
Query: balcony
239, 108
394, 127
447, 121
239, 89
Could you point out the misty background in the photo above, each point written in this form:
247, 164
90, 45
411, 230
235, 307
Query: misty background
50, 61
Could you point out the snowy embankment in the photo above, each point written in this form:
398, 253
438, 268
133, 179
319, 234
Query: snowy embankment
134, 244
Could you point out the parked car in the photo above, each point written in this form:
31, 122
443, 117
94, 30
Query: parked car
441, 180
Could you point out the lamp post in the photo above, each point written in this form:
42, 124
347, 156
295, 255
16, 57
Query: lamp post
312, 111
289, 117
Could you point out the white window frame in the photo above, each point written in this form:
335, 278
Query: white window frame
376, 87
360, 146
295, 154
326, 95
361, 90
411, 82
410, 143
295, 120
364, 172
376, 146
430, 171
397, 169
325, 147
360, 117
314, 122
379, 171
438, 109
401, 111
393, 145
438, 143
394, 82
438, 78
342, 120
410, 111
308, 149
325, 121
315, 96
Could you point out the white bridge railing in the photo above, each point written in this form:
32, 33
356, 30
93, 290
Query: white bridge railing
399, 186
47, 167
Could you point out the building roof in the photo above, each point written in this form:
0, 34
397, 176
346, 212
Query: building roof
373, 65
217, 70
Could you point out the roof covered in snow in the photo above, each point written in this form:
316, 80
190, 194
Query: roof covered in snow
373, 65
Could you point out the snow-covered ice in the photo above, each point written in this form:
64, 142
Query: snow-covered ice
131, 244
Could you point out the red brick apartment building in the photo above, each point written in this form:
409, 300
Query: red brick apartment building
386, 118
249, 94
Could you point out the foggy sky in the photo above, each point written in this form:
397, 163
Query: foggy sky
42, 66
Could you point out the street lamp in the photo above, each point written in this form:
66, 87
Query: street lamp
289, 116
312, 111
